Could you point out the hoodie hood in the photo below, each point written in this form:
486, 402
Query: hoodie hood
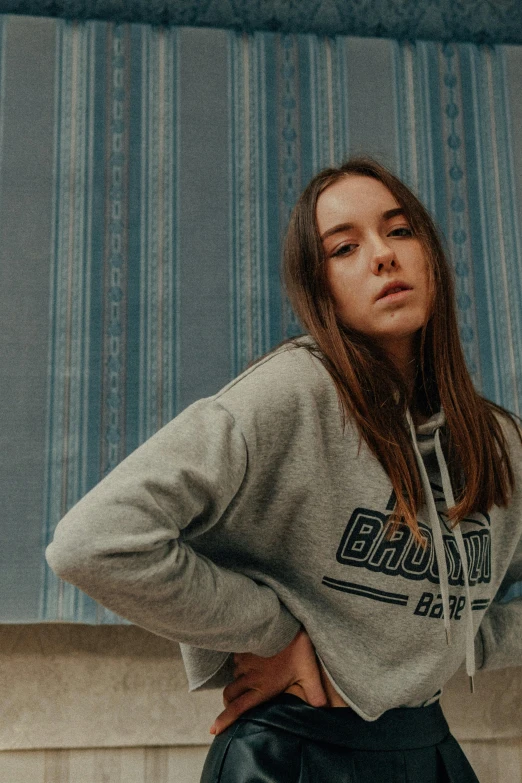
426, 442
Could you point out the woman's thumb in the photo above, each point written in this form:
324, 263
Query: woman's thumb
314, 692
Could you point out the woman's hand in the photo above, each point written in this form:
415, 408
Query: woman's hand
294, 670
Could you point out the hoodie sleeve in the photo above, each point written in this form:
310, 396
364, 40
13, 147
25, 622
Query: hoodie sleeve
126, 543
498, 642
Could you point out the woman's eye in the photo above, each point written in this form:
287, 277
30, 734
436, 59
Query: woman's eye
344, 250
402, 231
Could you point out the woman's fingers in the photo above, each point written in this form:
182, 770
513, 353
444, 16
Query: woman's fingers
312, 683
244, 662
314, 692
296, 690
235, 689
236, 708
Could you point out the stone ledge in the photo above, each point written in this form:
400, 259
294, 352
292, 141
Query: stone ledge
79, 686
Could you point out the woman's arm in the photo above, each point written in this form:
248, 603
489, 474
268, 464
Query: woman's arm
498, 643
127, 542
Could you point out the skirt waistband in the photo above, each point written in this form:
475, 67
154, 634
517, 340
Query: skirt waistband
403, 728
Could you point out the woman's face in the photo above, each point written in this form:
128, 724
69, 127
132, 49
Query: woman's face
368, 246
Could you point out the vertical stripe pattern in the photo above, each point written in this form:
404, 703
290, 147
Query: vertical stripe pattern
178, 157
115, 278
69, 348
457, 210
2, 93
464, 131
249, 215
79, 351
500, 237
309, 110
158, 288
289, 148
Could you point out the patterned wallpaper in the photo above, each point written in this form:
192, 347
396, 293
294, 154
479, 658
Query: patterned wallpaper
146, 179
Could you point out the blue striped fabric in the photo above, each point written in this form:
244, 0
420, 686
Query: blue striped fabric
459, 158
177, 155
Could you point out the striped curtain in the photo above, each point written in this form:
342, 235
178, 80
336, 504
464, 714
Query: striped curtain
146, 179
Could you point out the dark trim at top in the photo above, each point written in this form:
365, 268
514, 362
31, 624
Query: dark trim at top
476, 21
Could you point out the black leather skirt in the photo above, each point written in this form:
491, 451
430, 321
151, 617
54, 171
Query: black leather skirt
286, 740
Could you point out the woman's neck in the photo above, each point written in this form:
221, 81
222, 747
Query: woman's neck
419, 418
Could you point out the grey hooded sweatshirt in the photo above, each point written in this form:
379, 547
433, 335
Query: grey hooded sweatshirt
253, 513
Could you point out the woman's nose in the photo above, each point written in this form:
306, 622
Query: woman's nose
383, 257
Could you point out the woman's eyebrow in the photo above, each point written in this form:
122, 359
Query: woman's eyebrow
390, 213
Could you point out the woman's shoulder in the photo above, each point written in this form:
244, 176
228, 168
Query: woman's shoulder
289, 374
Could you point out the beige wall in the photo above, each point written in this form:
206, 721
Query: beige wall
109, 704
494, 761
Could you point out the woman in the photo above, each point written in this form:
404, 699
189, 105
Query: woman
339, 517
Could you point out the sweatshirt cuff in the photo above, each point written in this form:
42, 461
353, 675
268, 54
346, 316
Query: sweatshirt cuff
279, 636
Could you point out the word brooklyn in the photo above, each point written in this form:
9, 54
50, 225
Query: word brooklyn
364, 545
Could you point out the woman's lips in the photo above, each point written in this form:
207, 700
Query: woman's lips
395, 297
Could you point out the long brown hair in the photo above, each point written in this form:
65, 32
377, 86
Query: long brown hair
371, 390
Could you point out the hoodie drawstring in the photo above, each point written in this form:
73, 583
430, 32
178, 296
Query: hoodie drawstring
439, 546
450, 502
